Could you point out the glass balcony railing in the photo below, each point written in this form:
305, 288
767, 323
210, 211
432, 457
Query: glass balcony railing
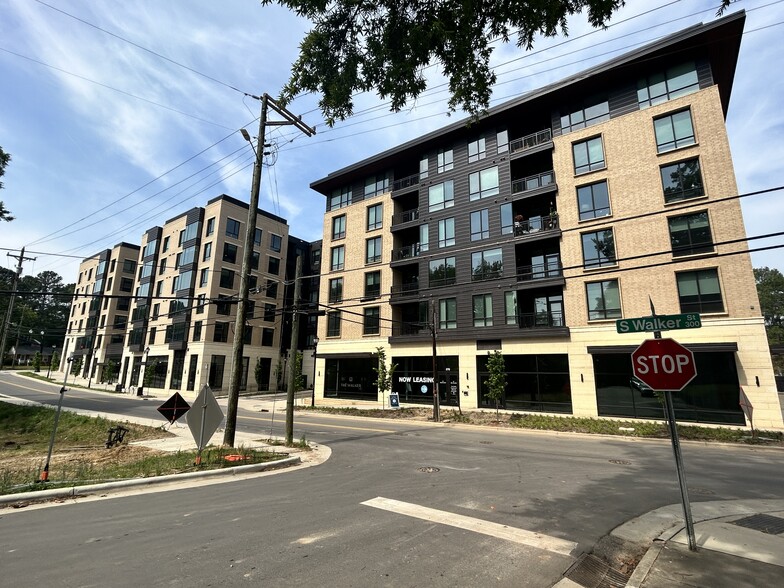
537, 320
405, 217
530, 141
533, 182
540, 271
406, 182
407, 252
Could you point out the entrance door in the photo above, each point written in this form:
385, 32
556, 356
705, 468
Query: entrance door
447, 389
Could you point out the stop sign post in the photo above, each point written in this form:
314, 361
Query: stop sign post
664, 364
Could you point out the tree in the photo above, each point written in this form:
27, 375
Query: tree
299, 380
770, 289
76, 365
109, 372
5, 158
37, 361
384, 374
496, 378
386, 45
149, 373
258, 373
54, 362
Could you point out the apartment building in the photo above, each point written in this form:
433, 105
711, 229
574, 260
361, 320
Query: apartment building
532, 230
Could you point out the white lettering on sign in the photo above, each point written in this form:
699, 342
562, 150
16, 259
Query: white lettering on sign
662, 364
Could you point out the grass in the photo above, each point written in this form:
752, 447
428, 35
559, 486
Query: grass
81, 456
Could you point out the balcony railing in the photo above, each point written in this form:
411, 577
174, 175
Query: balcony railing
533, 182
406, 182
480, 275
405, 217
406, 288
537, 320
407, 252
530, 141
535, 224
409, 329
539, 271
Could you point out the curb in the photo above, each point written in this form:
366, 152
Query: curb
645, 565
9, 499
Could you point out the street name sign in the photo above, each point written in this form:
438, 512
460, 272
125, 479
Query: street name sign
664, 364
665, 322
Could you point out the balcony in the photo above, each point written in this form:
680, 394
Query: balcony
542, 180
406, 183
405, 217
535, 224
538, 320
530, 141
410, 329
405, 289
540, 271
407, 252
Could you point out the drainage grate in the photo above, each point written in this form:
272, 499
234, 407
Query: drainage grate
429, 469
762, 522
592, 572
620, 462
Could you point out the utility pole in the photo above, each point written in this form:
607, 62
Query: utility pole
293, 354
7, 324
436, 412
247, 255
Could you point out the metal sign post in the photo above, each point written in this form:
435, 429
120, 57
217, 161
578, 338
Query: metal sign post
45, 472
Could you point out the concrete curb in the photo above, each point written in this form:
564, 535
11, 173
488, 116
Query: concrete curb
645, 565
124, 484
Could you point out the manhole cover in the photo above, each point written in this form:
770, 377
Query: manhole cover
620, 462
429, 469
762, 522
703, 491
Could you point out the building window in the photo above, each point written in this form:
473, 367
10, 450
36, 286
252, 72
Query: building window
424, 237
483, 183
166, 244
223, 306
273, 266
593, 200
340, 198
660, 87
441, 196
129, 267
339, 227
476, 150
269, 313
126, 285
333, 324
204, 277
227, 278
682, 180
699, 291
585, 117
487, 265
588, 155
207, 252
197, 331
442, 272
267, 337
446, 232
376, 185
483, 310
447, 313
480, 224
507, 221
276, 242
257, 237
373, 250
373, 284
255, 259
338, 258
598, 249
232, 228
229, 253
674, 131
510, 307
271, 289
221, 332
151, 339
210, 227
604, 300
162, 267
423, 165
690, 234
445, 159
336, 290
371, 324
375, 218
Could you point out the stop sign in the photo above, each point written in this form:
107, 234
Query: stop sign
663, 364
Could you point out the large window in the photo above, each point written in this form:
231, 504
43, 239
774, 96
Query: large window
682, 180
276, 242
585, 117
373, 250
690, 234
507, 222
446, 232
221, 332
510, 307
227, 278
445, 159
598, 248
375, 217
483, 310
447, 313
371, 324
441, 196
340, 198
257, 237
588, 155
674, 131
333, 324
229, 253
338, 258
424, 237
442, 272
339, 227
423, 165
232, 228
476, 150
593, 200
660, 87
336, 290
699, 291
207, 252
210, 228
483, 184
273, 266
534, 383
373, 284
487, 265
480, 225
375, 185
604, 300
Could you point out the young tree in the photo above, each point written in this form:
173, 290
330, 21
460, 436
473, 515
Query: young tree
37, 361
149, 373
496, 379
258, 374
5, 158
76, 365
299, 379
384, 374
109, 371
54, 362
386, 46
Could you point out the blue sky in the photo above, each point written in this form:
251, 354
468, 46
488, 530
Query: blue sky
109, 139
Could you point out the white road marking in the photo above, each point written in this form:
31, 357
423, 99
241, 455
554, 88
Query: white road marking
530, 538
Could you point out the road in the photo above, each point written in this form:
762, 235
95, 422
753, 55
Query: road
310, 526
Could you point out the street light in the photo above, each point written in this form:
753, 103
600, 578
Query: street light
51, 359
313, 393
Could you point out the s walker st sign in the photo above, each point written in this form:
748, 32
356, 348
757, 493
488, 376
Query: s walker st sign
665, 322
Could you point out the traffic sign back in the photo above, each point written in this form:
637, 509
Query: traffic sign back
664, 364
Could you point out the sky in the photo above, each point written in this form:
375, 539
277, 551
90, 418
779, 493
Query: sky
121, 115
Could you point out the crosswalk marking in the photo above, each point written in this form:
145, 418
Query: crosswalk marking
530, 538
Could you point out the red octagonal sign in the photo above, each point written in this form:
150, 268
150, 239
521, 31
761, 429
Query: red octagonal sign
663, 364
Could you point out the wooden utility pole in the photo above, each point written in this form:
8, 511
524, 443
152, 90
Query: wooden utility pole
293, 354
7, 323
436, 412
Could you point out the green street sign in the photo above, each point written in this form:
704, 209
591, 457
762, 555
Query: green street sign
665, 322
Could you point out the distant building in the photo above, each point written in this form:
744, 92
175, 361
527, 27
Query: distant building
534, 229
